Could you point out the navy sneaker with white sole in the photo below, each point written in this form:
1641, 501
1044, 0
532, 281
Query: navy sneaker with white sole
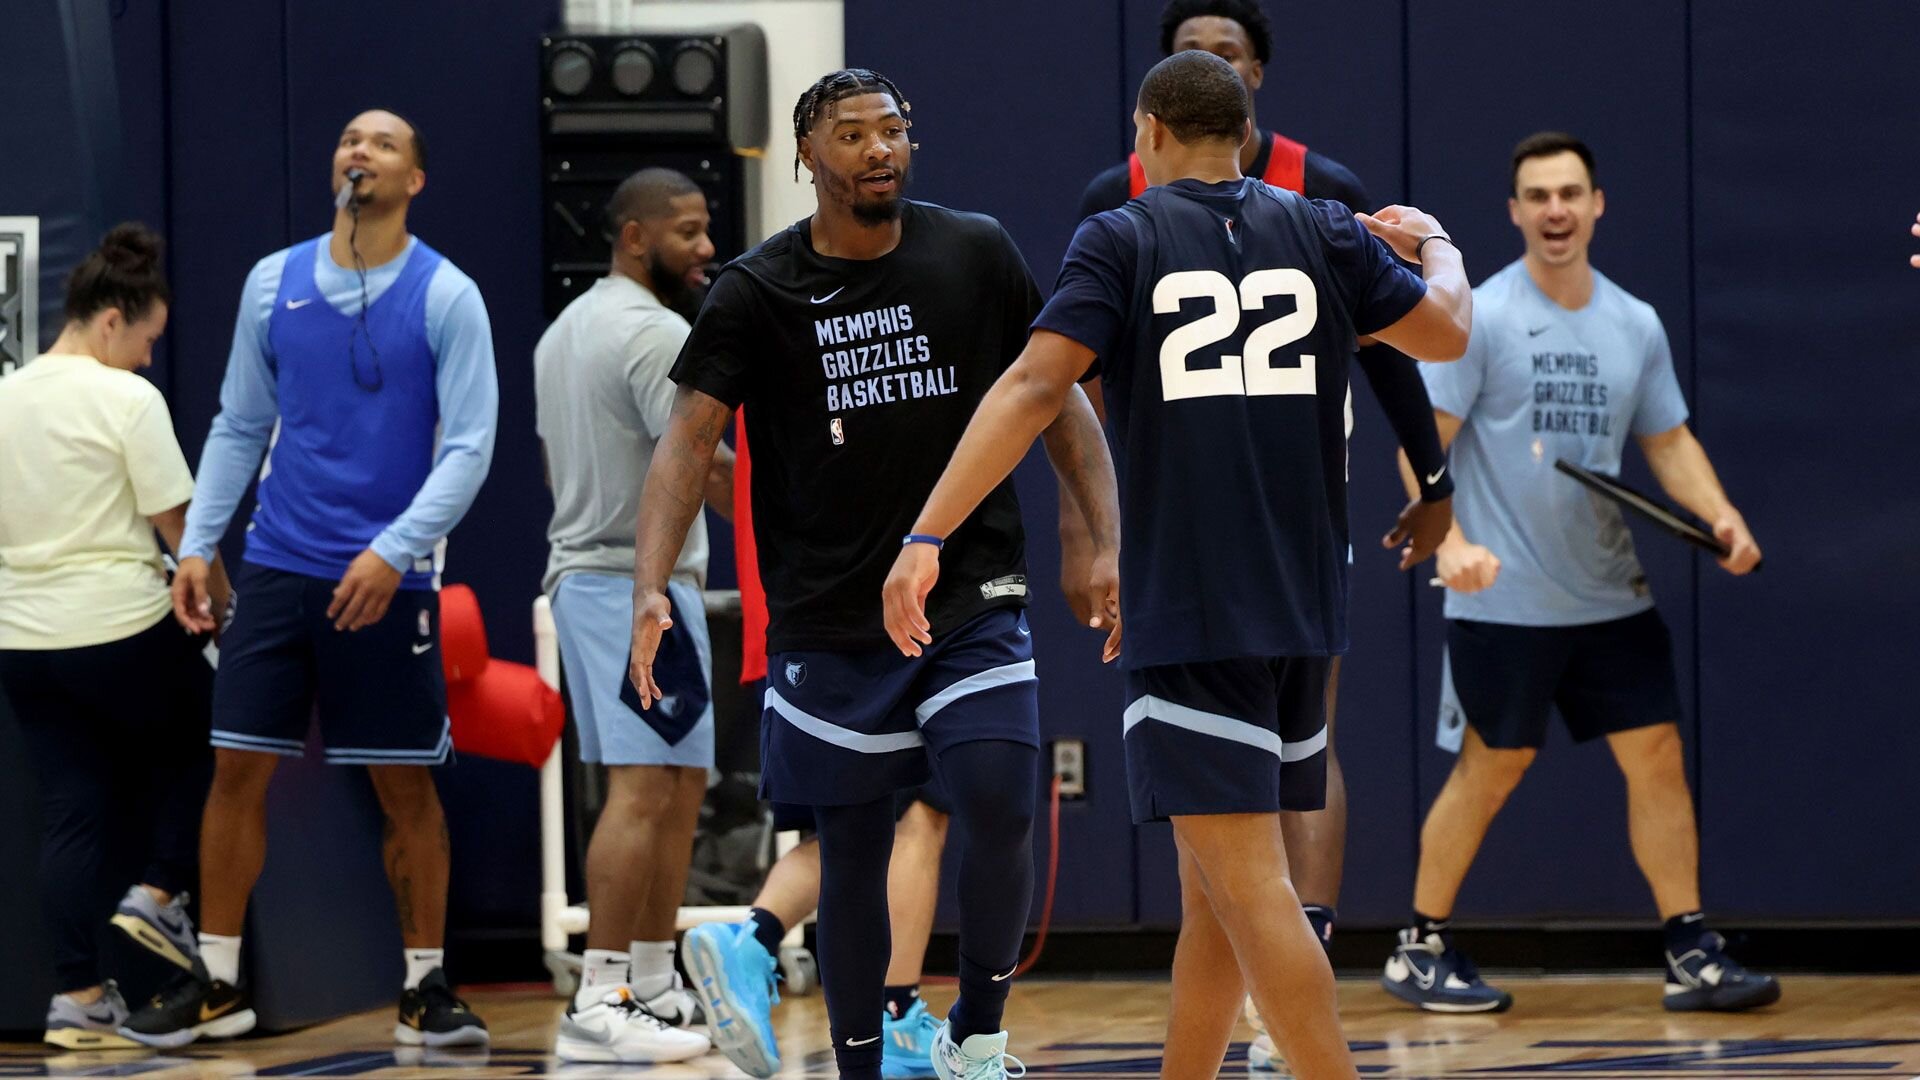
1706, 979
1429, 972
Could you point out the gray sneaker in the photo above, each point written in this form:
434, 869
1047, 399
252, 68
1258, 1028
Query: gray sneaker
162, 929
73, 1026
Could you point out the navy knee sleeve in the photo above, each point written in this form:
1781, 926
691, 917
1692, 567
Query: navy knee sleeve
993, 786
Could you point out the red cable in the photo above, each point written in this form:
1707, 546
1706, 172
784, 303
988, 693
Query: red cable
1053, 874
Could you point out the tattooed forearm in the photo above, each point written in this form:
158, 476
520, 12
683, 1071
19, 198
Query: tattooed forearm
675, 485
1078, 449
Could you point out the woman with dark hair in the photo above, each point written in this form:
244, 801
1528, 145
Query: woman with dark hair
112, 697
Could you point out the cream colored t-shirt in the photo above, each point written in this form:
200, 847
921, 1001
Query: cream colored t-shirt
87, 453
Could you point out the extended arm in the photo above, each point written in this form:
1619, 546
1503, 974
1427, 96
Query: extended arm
1460, 564
1437, 327
1680, 463
675, 487
1077, 447
1402, 394
1023, 402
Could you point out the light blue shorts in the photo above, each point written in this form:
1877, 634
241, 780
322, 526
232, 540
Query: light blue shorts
594, 616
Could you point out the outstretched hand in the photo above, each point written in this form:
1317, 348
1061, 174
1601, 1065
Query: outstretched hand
1402, 227
1421, 527
904, 597
652, 618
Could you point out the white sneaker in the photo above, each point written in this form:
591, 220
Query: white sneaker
1264, 1058
676, 1005
1262, 1055
618, 1029
980, 1057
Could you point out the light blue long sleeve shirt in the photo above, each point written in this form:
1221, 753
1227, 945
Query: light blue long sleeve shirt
461, 337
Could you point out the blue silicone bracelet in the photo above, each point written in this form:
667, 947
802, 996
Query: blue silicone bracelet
922, 538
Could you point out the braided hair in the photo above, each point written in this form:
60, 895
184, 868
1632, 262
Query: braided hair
829, 90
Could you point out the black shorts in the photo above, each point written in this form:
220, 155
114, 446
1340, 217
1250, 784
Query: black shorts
1604, 677
791, 817
1243, 736
380, 690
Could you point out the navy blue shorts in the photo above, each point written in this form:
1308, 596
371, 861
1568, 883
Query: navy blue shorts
844, 727
1604, 677
1243, 736
379, 690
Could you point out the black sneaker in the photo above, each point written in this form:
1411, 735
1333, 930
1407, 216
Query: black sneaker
1706, 979
431, 1016
190, 1006
1426, 970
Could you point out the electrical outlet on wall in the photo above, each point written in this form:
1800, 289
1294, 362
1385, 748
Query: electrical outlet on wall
1070, 765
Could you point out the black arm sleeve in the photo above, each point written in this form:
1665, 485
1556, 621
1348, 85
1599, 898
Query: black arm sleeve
1402, 395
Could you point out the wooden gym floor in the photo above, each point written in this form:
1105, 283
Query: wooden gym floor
1609, 1028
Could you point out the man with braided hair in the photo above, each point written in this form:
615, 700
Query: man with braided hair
860, 340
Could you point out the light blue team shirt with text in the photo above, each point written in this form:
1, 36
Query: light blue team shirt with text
1538, 383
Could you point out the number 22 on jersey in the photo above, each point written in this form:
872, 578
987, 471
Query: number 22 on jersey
1237, 376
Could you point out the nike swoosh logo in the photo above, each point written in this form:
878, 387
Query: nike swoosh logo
865, 1041
822, 300
1424, 978
1004, 978
1026, 632
296, 305
423, 647
207, 1012
1435, 478
1531, 332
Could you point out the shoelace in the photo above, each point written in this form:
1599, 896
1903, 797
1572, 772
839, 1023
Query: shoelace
991, 1068
442, 995
773, 980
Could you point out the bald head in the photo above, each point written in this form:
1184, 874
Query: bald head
648, 195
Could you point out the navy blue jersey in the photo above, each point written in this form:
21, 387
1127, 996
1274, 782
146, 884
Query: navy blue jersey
1222, 316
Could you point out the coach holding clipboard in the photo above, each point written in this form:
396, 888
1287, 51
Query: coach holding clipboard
1547, 605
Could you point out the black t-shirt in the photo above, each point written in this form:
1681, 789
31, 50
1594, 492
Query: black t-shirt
858, 378
1325, 179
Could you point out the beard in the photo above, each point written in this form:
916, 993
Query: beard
670, 285
871, 212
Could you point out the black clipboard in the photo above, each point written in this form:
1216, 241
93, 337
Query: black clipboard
1666, 519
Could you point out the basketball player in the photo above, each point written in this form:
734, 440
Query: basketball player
602, 398
860, 340
373, 356
1546, 605
1220, 312
1239, 32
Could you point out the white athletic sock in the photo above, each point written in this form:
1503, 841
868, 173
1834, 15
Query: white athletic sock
221, 955
420, 962
600, 971
652, 968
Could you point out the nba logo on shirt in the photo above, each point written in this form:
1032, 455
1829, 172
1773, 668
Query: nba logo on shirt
796, 673
838, 431
426, 625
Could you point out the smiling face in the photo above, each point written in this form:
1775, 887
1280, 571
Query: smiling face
860, 156
382, 146
674, 246
1555, 205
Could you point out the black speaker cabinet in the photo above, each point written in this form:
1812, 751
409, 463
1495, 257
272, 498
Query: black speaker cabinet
612, 104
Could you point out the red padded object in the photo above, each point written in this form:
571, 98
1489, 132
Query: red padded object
463, 637
507, 712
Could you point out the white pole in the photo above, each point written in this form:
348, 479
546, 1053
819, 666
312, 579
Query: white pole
553, 812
